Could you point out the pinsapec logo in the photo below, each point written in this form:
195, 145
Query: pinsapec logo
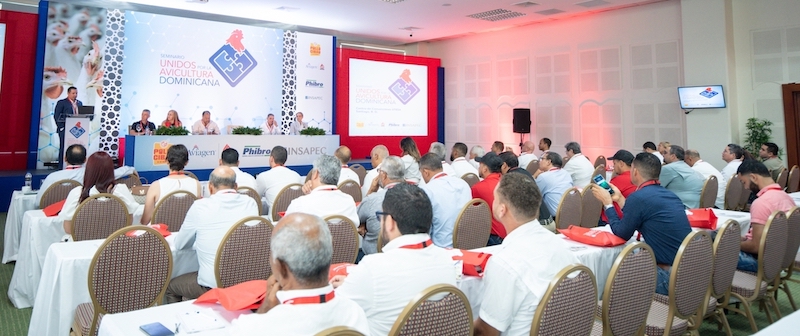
404, 88
709, 93
77, 130
233, 61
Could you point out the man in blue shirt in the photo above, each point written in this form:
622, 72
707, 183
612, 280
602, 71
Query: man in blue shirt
448, 195
657, 213
681, 179
552, 181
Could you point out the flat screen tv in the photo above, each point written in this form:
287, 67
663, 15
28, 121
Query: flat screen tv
701, 97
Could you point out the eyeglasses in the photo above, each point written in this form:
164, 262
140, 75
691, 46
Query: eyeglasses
381, 215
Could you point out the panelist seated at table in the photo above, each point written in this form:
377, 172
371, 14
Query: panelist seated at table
520, 270
230, 158
771, 197
384, 283
271, 126
177, 158
298, 124
173, 120
144, 126
98, 178
206, 223
322, 197
389, 175
75, 157
681, 179
205, 126
272, 181
299, 299
447, 194
657, 213
343, 154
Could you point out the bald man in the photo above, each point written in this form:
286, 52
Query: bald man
206, 222
377, 155
527, 154
343, 154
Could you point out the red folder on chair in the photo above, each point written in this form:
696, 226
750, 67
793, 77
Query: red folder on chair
339, 269
246, 295
54, 209
703, 218
592, 237
474, 263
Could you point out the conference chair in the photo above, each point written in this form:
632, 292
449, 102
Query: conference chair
284, 198
253, 194
345, 239
708, 196
599, 170
130, 271
601, 160
749, 287
689, 280
381, 243
244, 252
628, 293
351, 188
733, 192
360, 171
473, 225
439, 310
130, 181
743, 198
591, 207
569, 210
533, 167
172, 208
783, 178
471, 179
568, 306
190, 174
794, 180
99, 216
339, 331
792, 245
57, 192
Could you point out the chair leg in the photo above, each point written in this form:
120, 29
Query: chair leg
774, 304
745, 310
789, 295
763, 306
724, 321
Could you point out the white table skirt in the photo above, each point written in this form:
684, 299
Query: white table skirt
742, 217
128, 323
38, 233
20, 203
65, 283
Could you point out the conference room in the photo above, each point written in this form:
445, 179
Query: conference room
171, 167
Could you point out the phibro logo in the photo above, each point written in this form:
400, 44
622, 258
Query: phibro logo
253, 151
314, 84
709, 93
196, 151
233, 61
404, 88
77, 130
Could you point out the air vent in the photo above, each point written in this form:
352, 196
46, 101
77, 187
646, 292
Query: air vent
287, 9
550, 11
592, 3
525, 4
393, 1
496, 15
411, 28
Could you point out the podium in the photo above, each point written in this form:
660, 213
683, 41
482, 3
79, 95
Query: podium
76, 131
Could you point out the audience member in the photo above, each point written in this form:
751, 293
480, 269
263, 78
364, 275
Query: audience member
448, 194
490, 170
297, 125
769, 156
650, 147
578, 166
732, 154
663, 147
498, 147
173, 120
322, 197
410, 157
144, 126
377, 155
553, 182
177, 158
707, 170
390, 173
622, 178
75, 157
657, 213
206, 223
269, 183
230, 158
526, 156
474, 153
511, 165
205, 126
771, 198
681, 179
519, 273
384, 283
461, 165
544, 145
439, 149
299, 299
343, 154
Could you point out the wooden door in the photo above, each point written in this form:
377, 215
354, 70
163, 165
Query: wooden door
791, 114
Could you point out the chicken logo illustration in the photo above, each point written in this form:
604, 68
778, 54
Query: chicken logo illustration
404, 88
77, 130
709, 93
233, 61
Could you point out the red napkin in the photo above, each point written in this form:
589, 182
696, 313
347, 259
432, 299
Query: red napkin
703, 218
54, 209
282, 214
339, 269
592, 237
474, 263
160, 228
246, 295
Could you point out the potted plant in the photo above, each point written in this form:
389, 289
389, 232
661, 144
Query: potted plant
758, 132
312, 131
161, 130
242, 130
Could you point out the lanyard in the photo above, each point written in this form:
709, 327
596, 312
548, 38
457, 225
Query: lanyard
311, 299
344, 166
327, 189
418, 246
177, 173
72, 167
648, 183
439, 175
553, 169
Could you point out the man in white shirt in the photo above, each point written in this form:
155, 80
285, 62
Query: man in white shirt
692, 158
230, 158
439, 149
650, 147
205, 126
476, 151
527, 155
206, 223
384, 283
299, 299
544, 145
447, 193
460, 164
271, 182
343, 154
75, 157
392, 172
520, 270
578, 166
377, 155
733, 155
322, 197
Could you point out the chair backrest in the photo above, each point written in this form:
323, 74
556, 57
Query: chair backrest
129, 272
569, 209
591, 207
98, 216
351, 188
253, 194
473, 225
600, 160
190, 174
244, 252
471, 179
733, 192
532, 167
360, 171
284, 198
708, 196
726, 256
794, 180
172, 208
131, 180
772, 247
691, 274
793, 243
599, 170
427, 314
783, 178
569, 304
345, 239
339, 331
629, 290
57, 192
743, 198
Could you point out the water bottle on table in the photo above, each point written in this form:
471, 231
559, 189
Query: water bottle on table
27, 187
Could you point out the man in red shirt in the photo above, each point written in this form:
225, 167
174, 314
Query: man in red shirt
490, 169
622, 178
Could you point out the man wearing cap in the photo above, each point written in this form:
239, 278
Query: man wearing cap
622, 178
490, 169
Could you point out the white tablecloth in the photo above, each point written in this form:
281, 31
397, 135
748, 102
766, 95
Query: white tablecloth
38, 233
796, 197
785, 326
742, 217
20, 203
128, 323
64, 283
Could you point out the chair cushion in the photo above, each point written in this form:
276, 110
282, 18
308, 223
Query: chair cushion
744, 284
657, 321
83, 318
597, 328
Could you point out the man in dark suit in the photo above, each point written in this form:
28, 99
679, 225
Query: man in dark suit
65, 107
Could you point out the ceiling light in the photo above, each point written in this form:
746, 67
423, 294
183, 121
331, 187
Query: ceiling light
525, 4
496, 15
592, 3
550, 11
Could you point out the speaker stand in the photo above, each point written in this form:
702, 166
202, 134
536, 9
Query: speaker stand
521, 135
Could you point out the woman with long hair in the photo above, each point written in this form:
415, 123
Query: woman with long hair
410, 159
173, 120
98, 178
177, 158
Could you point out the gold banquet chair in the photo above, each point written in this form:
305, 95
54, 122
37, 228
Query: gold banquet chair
533, 167
600, 160
57, 192
733, 192
568, 306
99, 216
708, 195
726, 256
172, 208
794, 180
360, 171
428, 314
190, 174
783, 178
471, 179
130, 181
244, 253
253, 194
591, 207
351, 188
345, 239
339, 331
473, 225
792, 245
569, 209
284, 198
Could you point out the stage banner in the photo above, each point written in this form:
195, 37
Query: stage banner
315, 79
150, 152
191, 66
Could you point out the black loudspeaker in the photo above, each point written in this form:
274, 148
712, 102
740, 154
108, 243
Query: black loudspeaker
522, 120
